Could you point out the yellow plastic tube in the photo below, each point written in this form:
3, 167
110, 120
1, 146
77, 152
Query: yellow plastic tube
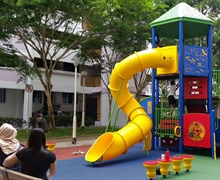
112, 144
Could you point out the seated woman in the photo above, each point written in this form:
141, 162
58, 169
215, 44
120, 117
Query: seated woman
36, 160
9, 144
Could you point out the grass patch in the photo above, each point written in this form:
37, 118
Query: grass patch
65, 132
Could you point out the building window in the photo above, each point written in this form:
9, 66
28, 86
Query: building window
2, 95
67, 98
37, 97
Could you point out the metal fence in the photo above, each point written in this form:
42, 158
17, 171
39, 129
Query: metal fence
216, 83
165, 122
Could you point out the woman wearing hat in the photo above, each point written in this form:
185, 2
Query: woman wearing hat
9, 144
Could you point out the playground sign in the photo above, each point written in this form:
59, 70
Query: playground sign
195, 61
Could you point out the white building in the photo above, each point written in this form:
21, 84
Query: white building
13, 94
16, 100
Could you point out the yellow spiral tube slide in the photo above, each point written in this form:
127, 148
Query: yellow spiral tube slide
112, 144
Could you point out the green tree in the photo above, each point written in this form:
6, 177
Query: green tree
128, 30
49, 28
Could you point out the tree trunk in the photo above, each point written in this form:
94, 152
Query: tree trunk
48, 93
51, 114
138, 96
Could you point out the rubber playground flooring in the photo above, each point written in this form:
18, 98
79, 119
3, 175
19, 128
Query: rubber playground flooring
70, 166
70, 152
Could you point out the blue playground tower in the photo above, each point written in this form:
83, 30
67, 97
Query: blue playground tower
194, 123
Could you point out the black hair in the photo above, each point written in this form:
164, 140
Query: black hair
172, 82
37, 139
38, 115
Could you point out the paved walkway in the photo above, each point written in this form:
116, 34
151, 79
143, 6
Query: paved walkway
67, 142
78, 143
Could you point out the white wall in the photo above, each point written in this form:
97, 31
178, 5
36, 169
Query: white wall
62, 82
9, 78
122, 118
14, 104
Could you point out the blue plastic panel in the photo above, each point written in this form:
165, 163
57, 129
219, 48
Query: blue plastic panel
195, 61
147, 105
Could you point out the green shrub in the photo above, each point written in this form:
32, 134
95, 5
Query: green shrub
63, 121
16, 122
60, 121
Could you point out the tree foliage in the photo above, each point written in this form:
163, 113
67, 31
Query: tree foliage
57, 29
127, 31
51, 29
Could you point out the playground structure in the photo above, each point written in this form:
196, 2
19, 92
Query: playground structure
194, 121
113, 144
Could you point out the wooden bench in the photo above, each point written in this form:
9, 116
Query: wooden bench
7, 174
3, 174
